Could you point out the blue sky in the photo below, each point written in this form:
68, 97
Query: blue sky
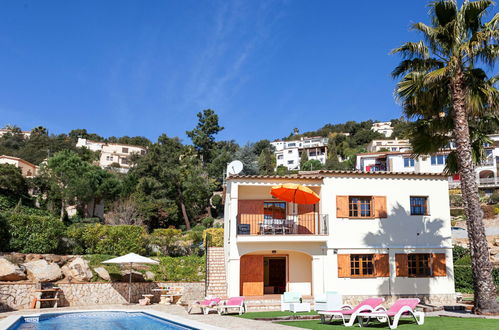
147, 67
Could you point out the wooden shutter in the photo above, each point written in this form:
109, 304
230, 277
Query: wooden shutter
439, 267
343, 265
342, 207
251, 212
251, 275
382, 265
380, 207
306, 218
402, 265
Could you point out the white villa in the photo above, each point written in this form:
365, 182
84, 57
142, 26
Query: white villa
389, 145
288, 153
384, 128
112, 153
371, 234
403, 161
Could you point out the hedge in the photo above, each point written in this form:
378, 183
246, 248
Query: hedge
189, 268
216, 237
463, 278
101, 239
33, 233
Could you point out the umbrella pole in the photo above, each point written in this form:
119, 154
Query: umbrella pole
130, 285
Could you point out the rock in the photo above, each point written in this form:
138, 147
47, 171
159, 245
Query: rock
10, 271
42, 271
79, 270
150, 276
103, 273
496, 242
136, 276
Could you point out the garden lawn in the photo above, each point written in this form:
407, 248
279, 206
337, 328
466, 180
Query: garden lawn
253, 315
431, 323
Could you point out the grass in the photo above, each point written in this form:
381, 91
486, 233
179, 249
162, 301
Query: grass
253, 315
431, 323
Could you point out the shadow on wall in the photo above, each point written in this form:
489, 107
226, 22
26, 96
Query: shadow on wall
400, 230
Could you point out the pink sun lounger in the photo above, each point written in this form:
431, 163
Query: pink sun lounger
206, 305
349, 314
402, 307
234, 303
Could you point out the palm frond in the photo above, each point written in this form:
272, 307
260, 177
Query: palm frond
412, 50
473, 12
443, 12
417, 64
437, 75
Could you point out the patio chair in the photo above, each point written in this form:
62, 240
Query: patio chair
328, 301
288, 298
234, 303
267, 226
402, 307
349, 313
207, 305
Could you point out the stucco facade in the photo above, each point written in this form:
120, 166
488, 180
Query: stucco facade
312, 257
28, 170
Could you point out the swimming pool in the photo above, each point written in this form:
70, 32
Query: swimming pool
104, 320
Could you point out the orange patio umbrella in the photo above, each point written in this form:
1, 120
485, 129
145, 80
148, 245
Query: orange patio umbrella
296, 193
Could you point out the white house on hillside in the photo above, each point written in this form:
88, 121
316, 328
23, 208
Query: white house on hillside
288, 153
384, 128
486, 173
112, 153
371, 234
389, 145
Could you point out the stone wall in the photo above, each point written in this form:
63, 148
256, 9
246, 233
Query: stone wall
20, 295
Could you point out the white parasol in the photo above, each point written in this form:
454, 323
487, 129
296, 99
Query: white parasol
131, 259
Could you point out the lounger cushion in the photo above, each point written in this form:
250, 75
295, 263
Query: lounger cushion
291, 297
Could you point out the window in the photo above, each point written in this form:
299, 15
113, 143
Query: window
360, 207
290, 162
109, 158
408, 162
290, 151
291, 144
280, 156
142, 152
313, 153
394, 148
274, 210
362, 265
124, 161
124, 150
419, 264
438, 159
419, 205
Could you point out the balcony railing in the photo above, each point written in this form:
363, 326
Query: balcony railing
488, 181
305, 224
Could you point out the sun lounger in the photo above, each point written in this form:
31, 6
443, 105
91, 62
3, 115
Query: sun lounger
234, 303
206, 305
402, 307
349, 314
288, 298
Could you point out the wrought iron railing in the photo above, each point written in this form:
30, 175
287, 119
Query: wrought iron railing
304, 224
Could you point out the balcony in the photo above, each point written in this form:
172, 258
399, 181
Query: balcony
488, 182
263, 225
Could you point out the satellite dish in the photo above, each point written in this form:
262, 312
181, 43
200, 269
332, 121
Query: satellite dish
234, 167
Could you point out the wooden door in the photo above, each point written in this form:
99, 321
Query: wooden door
251, 275
306, 218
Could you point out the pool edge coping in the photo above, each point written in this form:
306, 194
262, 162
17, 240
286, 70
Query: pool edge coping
12, 319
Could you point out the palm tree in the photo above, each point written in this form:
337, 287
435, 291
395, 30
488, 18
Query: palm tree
449, 96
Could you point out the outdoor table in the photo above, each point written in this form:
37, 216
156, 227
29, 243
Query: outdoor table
299, 307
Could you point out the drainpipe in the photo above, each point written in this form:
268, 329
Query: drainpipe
206, 264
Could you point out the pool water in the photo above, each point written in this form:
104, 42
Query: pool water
97, 321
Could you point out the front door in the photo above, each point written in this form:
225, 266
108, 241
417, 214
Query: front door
251, 275
275, 275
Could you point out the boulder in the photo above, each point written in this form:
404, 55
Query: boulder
41, 271
10, 271
103, 273
78, 270
136, 276
496, 242
150, 276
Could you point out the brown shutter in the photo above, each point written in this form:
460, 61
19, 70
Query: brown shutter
380, 207
343, 265
342, 207
250, 212
382, 265
402, 265
251, 275
438, 264
306, 218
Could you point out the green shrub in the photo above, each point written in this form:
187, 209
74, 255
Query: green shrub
7, 202
189, 268
166, 240
459, 252
216, 237
494, 198
95, 260
34, 233
102, 239
207, 222
456, 212
4, 234
456, 200
463, 278
496, 210
488, 211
